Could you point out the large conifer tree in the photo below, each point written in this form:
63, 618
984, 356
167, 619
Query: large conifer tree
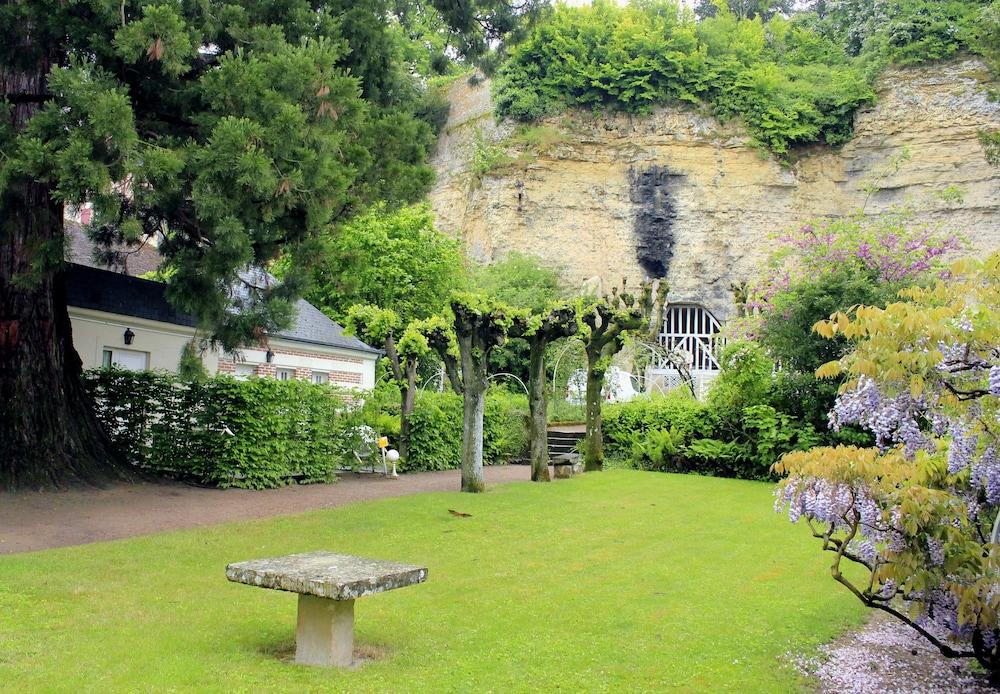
231, 131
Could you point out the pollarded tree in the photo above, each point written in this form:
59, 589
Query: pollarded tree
542, 329
382, 326
604, 326
479, 324
229, 131
522, 281
440, 335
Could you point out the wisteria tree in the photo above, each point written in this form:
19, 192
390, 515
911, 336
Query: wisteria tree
821, 268
919, 513
888, 250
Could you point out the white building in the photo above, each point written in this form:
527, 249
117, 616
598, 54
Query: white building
126, 321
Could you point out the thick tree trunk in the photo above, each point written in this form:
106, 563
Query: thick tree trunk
538, 433
408, 393
593, 452
472, 439
473, 409
49, 435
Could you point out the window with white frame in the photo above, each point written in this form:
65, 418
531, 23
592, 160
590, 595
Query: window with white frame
244, 371
129, 359
284, 374
320, 377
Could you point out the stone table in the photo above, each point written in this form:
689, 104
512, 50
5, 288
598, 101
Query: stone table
327, 585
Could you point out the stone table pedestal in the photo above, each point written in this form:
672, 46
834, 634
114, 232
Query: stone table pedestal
328, 585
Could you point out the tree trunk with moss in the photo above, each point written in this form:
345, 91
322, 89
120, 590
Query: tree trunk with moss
538, 431
473, 411
593, 447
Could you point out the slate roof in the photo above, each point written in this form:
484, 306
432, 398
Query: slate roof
133, 261
113, 292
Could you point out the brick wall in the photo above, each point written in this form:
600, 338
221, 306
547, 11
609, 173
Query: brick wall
300, 353
227, 366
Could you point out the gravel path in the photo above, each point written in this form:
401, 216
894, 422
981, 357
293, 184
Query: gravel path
40, 520
888, 657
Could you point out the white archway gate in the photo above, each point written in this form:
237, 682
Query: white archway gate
691, 331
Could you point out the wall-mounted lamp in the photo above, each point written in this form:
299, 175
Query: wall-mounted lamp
269, 356
129, 336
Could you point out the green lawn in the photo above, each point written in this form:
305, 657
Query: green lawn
610, 582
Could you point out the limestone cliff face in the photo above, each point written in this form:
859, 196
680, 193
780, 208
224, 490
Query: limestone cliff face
680, 195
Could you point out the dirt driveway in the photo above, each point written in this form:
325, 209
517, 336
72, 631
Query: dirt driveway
40, 520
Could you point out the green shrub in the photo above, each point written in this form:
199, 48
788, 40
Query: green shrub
487, 157
642, 415
789, 84
676, 433
746, 378
436, 430
253, 434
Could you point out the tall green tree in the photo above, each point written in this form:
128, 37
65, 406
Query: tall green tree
392, 259
744, 9
231, 131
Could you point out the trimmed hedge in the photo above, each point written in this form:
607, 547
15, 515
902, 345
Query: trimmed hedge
262, 433
436, 430
253, 434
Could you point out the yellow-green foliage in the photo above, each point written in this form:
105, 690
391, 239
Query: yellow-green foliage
922, 512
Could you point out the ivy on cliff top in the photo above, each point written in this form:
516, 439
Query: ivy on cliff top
789, 80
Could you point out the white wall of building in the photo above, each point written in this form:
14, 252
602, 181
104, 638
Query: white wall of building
96, 331
159, 346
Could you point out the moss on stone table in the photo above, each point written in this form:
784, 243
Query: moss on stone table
327, 585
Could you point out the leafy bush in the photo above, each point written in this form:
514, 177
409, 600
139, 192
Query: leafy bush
728, 436
253, 434
793, 82
642, 415
788, 83
282, 430
436, 430
746, 378
908, 31
816, 270
487, 156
